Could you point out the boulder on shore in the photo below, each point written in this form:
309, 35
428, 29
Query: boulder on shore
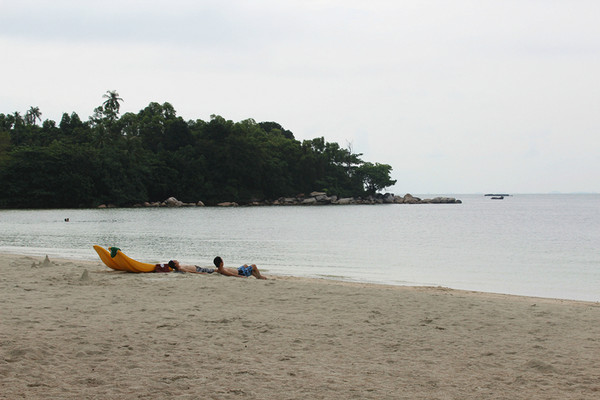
345, 200
410, 199
309, 201
441, 200
228, 204
173, 202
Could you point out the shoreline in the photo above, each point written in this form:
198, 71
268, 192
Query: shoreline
325, 279
74, 329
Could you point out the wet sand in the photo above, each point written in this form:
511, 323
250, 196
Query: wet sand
76, 329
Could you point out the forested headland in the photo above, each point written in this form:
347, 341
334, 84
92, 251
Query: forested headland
155, 154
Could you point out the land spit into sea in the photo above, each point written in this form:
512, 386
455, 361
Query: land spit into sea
77, 329
314, 198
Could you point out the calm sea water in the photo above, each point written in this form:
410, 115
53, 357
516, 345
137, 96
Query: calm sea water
536, 245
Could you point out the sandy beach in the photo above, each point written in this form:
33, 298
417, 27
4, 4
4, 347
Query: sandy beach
76, 329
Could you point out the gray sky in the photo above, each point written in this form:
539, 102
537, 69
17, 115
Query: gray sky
458, 96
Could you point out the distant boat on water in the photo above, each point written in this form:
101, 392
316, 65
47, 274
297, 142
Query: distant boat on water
497, 196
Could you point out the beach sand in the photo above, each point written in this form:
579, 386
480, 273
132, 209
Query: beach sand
76, 329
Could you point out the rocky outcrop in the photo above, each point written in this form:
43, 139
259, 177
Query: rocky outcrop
313, 199
440, 200
318, 198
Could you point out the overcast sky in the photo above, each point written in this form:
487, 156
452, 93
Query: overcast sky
458, 96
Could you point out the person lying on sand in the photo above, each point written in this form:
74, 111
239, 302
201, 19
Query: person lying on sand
174, 264
242, 272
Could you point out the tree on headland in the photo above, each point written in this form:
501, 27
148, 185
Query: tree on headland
18, 120
32, 115
375, 176
4, 145
111, 104
104, 120
109, 110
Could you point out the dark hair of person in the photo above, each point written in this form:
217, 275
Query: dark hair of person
172, 265
217, 261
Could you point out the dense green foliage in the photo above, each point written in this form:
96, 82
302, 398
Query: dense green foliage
154, 154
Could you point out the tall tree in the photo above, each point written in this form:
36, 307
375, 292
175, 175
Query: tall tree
108, 112
32, 115
18, 120
111, 104
375, 176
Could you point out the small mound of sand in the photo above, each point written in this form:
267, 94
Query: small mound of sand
85, 276
43, 264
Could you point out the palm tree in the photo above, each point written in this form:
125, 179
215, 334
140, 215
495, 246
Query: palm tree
18, 120
111, 104
32, 115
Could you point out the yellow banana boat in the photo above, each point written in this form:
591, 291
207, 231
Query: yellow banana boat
134, 265
122, 262
108, 260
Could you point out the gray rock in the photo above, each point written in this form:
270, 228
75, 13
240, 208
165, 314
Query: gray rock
309, 201
173, 202
228, 204
443, 200
410, 199
389, 198
345, 200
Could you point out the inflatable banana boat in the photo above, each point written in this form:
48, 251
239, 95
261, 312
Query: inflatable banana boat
117, 260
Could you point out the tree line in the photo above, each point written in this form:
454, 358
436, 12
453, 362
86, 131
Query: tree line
155, 154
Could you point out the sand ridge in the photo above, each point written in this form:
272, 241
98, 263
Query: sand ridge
76, 329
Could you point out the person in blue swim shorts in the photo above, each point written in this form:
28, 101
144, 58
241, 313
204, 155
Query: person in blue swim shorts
242, 272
